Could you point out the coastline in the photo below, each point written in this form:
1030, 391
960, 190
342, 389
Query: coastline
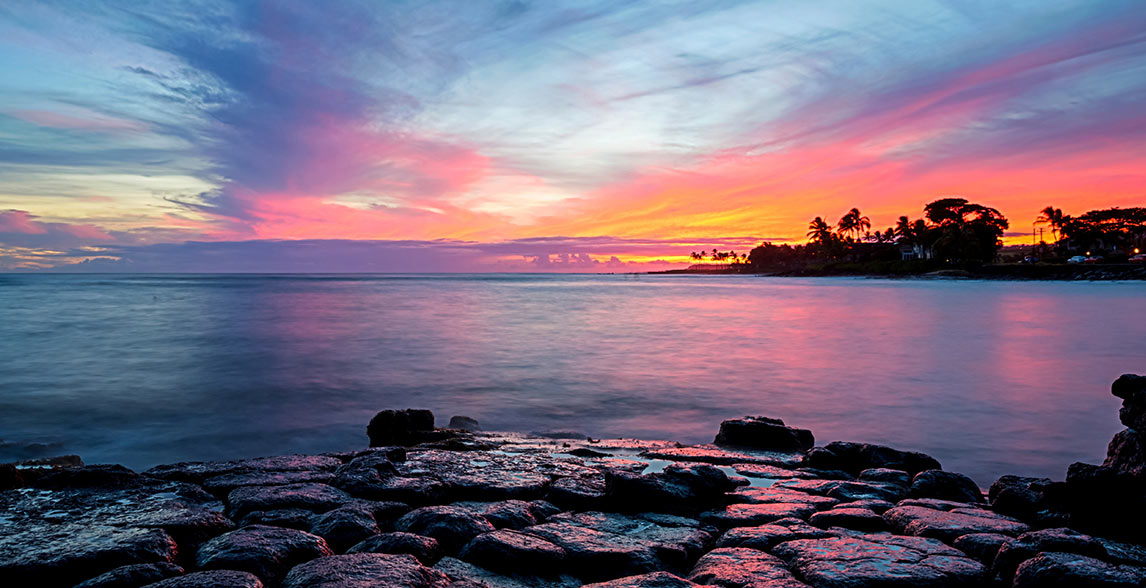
1003, 272
437, 507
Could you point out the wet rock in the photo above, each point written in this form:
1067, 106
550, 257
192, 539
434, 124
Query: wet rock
675, 540
597, 555
679, 488
345, 526
859, 519
653, 580
982, 546
425, 549
489, 475
1132, 390
222, 485
89, 476
1120, 552
750, 515
579, 492
853, 491
291, 518
937, 504
817, 487
763, 433
944, 486
369, 484
365, 570
401, 427
267, 552
1019, 496
467, 575
949, 525
773, 494
1075, 571
879, 560
199, 471
65, 554
211, 579
313, 497
1013, 553
1104, 500
464, 423
452, 526
510, 514
759, 470
1127, 453
715, 455
765, 537
586, 452
856, 457
873, 504
513, 552
133, 576
885, 475
737, 567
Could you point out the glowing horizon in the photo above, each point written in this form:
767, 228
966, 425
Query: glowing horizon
550, 136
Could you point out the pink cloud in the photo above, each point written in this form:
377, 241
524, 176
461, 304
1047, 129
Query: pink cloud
86, 121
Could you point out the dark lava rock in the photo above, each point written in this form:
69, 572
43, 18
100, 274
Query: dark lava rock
859, 519
885, 475
817, 487
750, 515
426, 549
873, 504
513, 552
765, 537
291, 518
1103, 500
763, 433
199, 471
510, 514
653, 580
1075, 571
65, 554
579, 492
314, 497
466, 575
674, 540
737, 567
222, 485
211, 579
774, 494
267, 552
586, 452
1063, 540
713, 454
452, 526
490, 475
90, 476
345, 526
853, 491
1132, 390
679, 488
400, 427
464, 423
760, 470
949, 525
1019, 496
857, 457
595, 554
133, 576
365, 570
944, 486
982, 546
879, 560
1127, 453
367, 483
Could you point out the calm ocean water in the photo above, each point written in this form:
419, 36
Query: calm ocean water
989, 377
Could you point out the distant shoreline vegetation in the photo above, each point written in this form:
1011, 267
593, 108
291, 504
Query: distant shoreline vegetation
954, 237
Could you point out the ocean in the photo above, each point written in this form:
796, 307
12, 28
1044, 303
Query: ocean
990, 377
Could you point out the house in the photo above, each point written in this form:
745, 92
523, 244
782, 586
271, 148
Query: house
909, 251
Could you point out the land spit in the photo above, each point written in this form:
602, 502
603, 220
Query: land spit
424, 507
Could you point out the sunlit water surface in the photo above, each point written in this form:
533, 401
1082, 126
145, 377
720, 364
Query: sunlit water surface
989, 377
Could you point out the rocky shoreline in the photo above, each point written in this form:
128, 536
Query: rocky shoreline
426, 507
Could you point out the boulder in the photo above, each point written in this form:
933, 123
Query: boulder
211, 579
452, 526
466, 575
751, 515
133, 576
944, 486
401, 427
509, 551
596, 555
737, 567
313, 497
949, 525
1019, 496
1132, 390
1103, 500
765, 537
853, 491
982, 546
763, 433
426, 549
653, 580
885, 475
857, 457
66, 554
1127, 453
858, 519
365, 570
772, 494
267, 552
346, 526
464, 423
510, 514
1075, 571
290, 518
886, 561
1028, 545
679, 488
578, 492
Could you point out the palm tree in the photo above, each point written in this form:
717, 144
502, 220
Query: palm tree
854, 223
1052, 216
819, 231
904, 229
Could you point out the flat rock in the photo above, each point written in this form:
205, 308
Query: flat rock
759, 470
750, 515
982, 546
721, 456
133, 576
291, 518
1073, 570
765, 537
948, 525
313, 497
1027, 545
885, 475
64, 554
585, 492
653, 580
198, 471
873, 504
467, 575
509, 514
852, 491
222, 485
267, 552
345, 526
514, 552
675, 540
452, 526
857, 457
425, 549
773, 494
859, 519
679, 488
365, 570
737, 567
879, 560
211, 579
763, 433
596, 555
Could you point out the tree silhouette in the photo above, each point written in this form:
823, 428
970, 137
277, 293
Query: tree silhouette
819, 231
1054, 218
854, 223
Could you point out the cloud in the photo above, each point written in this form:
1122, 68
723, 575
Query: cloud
18, 228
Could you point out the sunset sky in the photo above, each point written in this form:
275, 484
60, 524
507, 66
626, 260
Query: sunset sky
543, 136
